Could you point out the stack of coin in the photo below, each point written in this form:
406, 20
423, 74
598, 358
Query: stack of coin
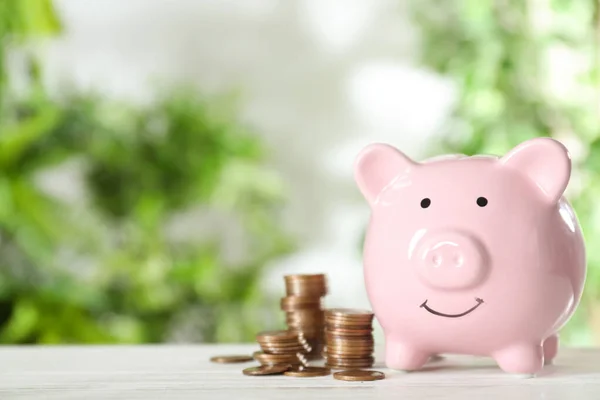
281, 347
304, 314
349, 338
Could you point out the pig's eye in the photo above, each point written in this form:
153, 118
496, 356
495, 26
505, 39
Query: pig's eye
425, 203
481, 201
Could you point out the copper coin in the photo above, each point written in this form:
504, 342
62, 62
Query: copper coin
349, 356
296, 277
312, 314
349, 332
304, 301
350, 341
277, 335
230, 359
358, 364
269, 359
350, 350
276, 350
355, 323
362, 364
346, 356
343, 359
349, 313
359, 375
286, 343
306, 372
301, 346
267, 370
285, 350
300, 290
289, 348
306, 328
297, 343
346, 324
306, 285
349, 320
365, 328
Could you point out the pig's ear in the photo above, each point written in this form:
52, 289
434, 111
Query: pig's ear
545, 161
376, 166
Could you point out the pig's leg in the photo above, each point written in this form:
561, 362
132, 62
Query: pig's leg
521, 359
550, 349
401, 356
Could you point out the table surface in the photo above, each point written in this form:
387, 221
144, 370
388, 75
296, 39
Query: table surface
184, 372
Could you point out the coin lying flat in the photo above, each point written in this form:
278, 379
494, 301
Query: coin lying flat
267, 370
307, 372
343, 312
270, 359
231, 359
281, 335
359, 375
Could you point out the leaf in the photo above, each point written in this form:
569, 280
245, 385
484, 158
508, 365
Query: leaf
17, 138
22, 323
31, 17
592, 162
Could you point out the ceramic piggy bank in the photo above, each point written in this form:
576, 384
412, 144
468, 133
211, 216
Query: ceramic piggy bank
473, 255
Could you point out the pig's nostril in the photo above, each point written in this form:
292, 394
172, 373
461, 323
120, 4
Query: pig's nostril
437, 260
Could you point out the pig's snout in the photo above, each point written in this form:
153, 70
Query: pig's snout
451, 260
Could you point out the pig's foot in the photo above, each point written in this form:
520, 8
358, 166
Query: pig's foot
550, 349
402, 357
521, 359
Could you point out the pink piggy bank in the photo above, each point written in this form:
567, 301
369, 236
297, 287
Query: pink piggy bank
473, 255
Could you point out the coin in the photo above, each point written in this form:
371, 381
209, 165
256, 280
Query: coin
294, 303
277, 335
282, 343
340, 348
306, 372
267, 370
295, 277
335, 331
349, 313
271, 350
359, 375
304, 314
345, 356
346, 365
306, 285
350, 341
270, 359
230, 359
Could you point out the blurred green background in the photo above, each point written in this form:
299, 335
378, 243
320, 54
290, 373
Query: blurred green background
103, 270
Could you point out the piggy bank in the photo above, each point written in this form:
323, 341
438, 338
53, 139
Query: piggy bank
477, 255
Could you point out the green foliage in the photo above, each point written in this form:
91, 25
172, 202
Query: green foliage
107, 267
497, 53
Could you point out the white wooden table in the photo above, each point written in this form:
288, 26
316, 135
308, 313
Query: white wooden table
184, 372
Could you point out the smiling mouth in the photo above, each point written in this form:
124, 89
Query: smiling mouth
470, 310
